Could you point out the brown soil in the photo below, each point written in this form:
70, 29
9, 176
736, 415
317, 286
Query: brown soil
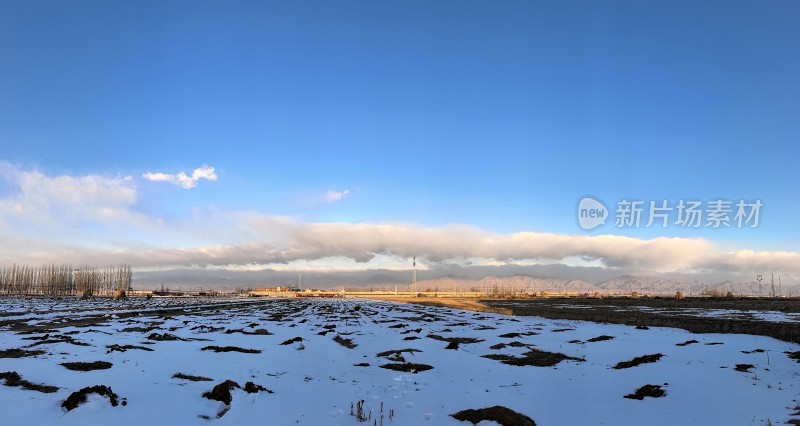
87, 366
222, 392
463, 340
407, 367
457, 303
502, 415
347, 343
117, 348
687, 343
12, 378
644, 359
652, 391
166, 337
292, 340
191, 378
79, 397
257, 332
251, 387
607, 310
744, 368
231, 349
19, 353
600, 338
533, 357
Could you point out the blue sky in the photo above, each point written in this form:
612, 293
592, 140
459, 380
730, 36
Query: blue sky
495, 116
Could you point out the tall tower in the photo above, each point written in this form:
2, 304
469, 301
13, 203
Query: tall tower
414, 275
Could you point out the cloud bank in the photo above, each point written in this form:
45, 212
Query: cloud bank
181, 179
92, 220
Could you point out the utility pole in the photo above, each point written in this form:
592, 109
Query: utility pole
759, 278
414, 275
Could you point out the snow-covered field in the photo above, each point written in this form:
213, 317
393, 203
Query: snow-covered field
316, 381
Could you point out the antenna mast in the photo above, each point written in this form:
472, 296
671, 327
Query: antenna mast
414, 275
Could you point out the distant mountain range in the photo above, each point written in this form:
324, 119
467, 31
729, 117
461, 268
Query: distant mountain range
622, 284
386, 279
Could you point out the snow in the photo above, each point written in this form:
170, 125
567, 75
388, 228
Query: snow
315, 381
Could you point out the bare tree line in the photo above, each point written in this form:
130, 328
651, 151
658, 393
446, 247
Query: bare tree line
64, 280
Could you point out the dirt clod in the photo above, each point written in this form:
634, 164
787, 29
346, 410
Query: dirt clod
231, 349
502, 415
251, 387
222, 392
166, 337
292, 340
533, 357
191, 378
117, 348
19, 353
347, 343
644, 359
653, 391
12, 378
79, 397
600, 338
87, 366
407, 367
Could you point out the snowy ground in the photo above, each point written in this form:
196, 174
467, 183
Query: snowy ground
315, 381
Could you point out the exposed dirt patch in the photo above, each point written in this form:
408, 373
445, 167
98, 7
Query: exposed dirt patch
19, 353
140, 329
608, 310
222, 392
502, 415
407, 367
87, 366
361, 364
644, 359
347, 343
191, 378
292, 340
257, 332
687, 343
652, 391
600, 338
459, 340
12, 378
533, 357
792, 355
411, 338
754, 351
456, 303
231, 349
166, 337
251, 387
117, 348
79, 397
58, 338
744, 368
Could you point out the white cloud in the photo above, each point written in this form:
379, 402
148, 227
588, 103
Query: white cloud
334, 196
91, 219
182, 179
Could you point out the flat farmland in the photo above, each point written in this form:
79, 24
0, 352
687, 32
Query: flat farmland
351, 362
